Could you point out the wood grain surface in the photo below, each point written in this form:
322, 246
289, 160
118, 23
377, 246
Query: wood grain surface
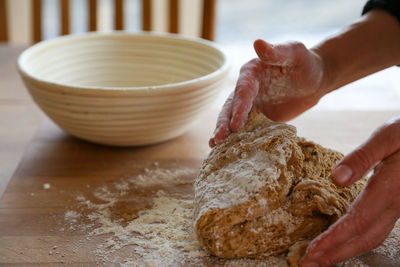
19, 117
31, 217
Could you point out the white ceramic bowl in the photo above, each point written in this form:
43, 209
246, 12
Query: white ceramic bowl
123, 89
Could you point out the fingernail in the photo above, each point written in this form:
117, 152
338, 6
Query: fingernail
311, 264
342, 174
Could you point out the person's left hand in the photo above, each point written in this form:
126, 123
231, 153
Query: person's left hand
372, 216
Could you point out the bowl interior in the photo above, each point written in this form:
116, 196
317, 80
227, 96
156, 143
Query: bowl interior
121, 60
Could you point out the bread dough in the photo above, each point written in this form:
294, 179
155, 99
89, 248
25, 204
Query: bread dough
264, 189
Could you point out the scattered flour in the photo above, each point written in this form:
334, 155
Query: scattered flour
158, 176
162, 233
71, 216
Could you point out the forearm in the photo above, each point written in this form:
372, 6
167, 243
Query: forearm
365, 47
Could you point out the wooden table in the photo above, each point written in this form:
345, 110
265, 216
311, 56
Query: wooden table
32, 216
19, 117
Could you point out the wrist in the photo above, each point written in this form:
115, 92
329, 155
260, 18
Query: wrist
368, 45
325, 81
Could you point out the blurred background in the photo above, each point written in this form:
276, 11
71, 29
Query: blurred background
237, 24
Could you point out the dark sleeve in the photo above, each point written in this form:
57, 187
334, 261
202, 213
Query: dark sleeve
391, 6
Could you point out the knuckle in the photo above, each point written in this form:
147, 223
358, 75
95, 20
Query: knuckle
241, 90
363, 159
229, 100
300, 46
391, 130
245, 88
255, 62
295, 45
222, 122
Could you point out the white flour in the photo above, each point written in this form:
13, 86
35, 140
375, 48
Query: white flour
278, 87
71, 215
158, 176
231, 185
161, 234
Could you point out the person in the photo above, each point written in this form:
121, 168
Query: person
287, 79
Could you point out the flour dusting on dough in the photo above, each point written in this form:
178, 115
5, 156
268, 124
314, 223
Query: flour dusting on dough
264, 189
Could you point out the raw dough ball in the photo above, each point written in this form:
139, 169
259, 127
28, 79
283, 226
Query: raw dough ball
264, 189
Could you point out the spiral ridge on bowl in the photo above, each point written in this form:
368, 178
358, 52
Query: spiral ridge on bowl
123, 89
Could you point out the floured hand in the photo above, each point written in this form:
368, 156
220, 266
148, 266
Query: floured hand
283, 82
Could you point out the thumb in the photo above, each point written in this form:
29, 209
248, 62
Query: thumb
279, 55
381, 144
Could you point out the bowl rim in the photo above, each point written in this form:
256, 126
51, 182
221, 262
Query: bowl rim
224, 68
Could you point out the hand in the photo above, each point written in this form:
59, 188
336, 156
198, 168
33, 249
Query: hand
283, 82
374, 213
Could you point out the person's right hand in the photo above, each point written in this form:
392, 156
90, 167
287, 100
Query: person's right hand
283, 82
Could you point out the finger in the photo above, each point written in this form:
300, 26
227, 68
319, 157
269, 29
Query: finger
382, 143
369, 240
279, 55
378, 199
246, 90
362, 214
222, 129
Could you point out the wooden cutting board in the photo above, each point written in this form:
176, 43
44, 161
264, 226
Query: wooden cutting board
56, 169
